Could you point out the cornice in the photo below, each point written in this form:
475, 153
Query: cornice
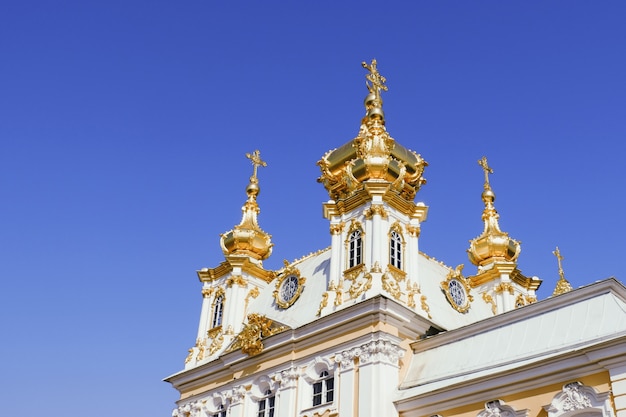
360, 317
212, 274
394, 200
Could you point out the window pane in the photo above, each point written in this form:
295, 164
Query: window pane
330, 385
218, 310
317, 393
271, 407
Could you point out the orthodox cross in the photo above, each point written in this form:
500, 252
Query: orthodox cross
257, 162
374, 77
559, 258
488, 170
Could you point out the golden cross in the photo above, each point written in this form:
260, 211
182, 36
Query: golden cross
255, 157
488, 170
559, 258
377, 80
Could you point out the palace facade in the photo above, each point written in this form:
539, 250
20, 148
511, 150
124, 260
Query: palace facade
372, 327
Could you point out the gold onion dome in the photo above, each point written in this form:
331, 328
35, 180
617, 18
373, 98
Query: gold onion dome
493, 244
247, 238
373, 156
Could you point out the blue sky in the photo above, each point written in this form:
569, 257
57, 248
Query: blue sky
124, 128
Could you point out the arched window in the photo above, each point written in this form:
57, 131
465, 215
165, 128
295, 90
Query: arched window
323, 389
218, 311
395, 249
221, 411
355, 249
266, 405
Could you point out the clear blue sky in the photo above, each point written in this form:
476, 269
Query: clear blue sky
123, 130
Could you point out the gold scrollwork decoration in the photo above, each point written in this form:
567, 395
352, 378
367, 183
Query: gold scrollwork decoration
390, 284
375, 209
414, 231
217, 340
398, 274
354, 272
250, 339
502, 287
323, 304
336, 229
412, 290
236, 279
358, 287
425, 306
253, 293
489, 300
200, 345
338, 293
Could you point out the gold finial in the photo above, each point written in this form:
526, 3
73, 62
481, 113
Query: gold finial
488, 170
493, 244
562, 285
248, 238
374, 77
257, 162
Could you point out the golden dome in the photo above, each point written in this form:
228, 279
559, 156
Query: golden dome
373, 155
247, 238
493, 244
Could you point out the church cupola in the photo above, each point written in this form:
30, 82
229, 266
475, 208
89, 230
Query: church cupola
375, 224
247, 239
373, 157
495, 253
493, 245
227, 290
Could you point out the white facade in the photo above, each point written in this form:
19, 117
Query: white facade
371, 326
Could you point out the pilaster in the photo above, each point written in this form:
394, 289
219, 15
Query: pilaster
617, 374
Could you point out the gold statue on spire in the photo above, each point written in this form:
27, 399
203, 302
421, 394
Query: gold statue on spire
257, 162
562, 285
374, 77
488, 170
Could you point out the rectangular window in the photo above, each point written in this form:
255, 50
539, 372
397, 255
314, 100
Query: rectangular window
330, 385
317, 393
